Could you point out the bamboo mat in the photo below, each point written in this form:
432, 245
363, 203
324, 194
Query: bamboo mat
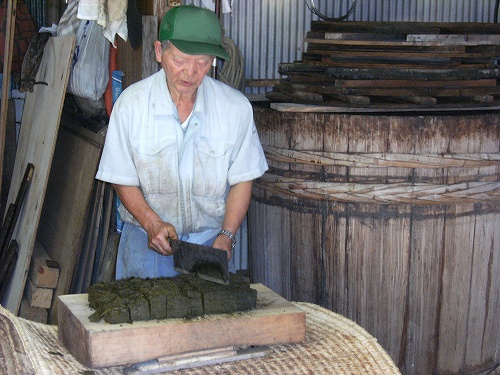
333, 345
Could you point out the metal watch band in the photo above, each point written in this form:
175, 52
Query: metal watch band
230, 235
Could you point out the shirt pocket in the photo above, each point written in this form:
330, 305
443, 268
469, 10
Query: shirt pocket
157, 165
211, 165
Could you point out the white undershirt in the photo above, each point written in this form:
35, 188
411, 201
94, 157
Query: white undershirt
184, 125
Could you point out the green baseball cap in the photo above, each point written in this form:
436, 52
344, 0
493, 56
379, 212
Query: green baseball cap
193, 30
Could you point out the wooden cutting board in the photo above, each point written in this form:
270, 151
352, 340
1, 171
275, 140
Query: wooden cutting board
274, 321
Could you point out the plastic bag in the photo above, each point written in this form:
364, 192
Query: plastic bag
68, 24
89, 72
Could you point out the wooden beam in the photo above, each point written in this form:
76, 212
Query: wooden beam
261, 82
7, 63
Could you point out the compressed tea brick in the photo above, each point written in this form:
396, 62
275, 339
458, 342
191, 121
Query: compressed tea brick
157, 305
177, 306
177, 303
101, 299
116, 315
183, 296
192, 293
116, 312
221, 300
138, 308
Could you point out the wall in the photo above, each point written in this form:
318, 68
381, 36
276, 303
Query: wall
272, 31
269, 32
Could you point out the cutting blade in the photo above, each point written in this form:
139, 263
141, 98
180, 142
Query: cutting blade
205, 262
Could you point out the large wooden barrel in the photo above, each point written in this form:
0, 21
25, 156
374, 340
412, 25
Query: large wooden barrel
392, 220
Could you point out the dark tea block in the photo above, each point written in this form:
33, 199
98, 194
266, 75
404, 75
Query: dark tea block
182, 296
139, 308
157, 305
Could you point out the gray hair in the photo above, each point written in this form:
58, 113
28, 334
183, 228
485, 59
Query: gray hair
166, 44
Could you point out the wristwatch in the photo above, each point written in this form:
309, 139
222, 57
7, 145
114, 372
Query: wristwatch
231, 237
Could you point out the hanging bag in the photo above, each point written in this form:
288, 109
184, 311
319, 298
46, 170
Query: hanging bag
89, 72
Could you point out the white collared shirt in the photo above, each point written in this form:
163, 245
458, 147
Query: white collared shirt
185, 175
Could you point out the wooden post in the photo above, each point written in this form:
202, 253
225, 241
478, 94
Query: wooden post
217, 7
7, 62
54, 11
217, 12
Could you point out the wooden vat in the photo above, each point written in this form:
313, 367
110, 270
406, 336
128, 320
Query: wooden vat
391, 220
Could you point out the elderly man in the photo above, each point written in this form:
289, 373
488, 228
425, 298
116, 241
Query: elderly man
181, 150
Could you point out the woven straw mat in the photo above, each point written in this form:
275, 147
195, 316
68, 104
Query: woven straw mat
333, 345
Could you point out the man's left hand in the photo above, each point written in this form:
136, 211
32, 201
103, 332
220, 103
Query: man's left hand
224, 243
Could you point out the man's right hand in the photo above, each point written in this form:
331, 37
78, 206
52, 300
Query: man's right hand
159, 233
158, 230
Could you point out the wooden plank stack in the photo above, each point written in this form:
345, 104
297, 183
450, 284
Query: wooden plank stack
395, 65
39, 290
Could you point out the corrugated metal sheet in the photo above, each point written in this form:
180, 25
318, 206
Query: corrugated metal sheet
37, 11
272, 31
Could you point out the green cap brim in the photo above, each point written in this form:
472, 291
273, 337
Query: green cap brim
195, 48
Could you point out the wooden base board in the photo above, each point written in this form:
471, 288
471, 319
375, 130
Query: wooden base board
274, 321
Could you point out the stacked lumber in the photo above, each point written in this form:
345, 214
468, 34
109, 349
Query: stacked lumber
394, 64
39, 289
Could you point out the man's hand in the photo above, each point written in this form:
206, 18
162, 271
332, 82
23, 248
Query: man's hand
224, 243
159, 233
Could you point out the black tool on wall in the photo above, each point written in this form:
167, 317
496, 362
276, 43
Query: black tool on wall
8, 250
